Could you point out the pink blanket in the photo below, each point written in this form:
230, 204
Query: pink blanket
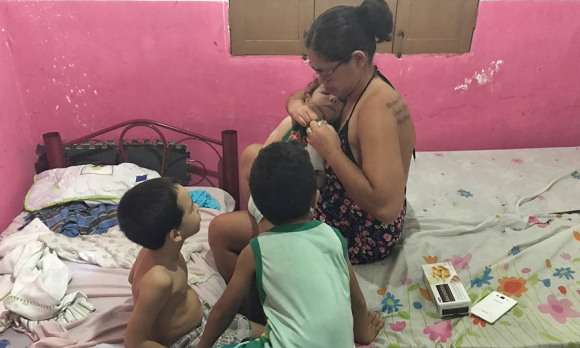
110, 292
105, 327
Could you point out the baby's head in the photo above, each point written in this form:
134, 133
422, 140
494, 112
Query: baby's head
157, 210
329, 105
283, 182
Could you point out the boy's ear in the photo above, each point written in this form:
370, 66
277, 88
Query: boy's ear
314, 202
175, 236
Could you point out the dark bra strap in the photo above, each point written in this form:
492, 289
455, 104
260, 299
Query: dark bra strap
377, 72
359, 97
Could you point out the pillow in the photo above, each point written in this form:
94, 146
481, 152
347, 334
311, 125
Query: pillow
226, 201
89, 183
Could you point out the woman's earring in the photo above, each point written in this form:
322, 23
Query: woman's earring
312, 210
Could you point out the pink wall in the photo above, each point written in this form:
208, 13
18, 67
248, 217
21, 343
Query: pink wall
85, 65
16, 147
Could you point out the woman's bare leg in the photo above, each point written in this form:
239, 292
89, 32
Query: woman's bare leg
228, 235
246, 160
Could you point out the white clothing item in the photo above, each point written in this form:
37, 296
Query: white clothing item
108, 250
94, 184
39, 281
30, 233
34, 281
74, 307
253, 210
194, 277
316, 159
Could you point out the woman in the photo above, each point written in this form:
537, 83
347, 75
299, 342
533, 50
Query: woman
368, 159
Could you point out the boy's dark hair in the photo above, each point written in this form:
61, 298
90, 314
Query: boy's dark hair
283, 182
149, 211
341, 30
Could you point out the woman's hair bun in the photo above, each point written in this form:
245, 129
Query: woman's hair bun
377, 19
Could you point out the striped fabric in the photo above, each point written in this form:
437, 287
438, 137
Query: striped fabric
77, 218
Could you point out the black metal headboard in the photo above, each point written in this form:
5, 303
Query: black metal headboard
168, 158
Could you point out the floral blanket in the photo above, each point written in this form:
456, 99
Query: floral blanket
508, 221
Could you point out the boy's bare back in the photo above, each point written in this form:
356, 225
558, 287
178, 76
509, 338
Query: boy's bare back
161, 287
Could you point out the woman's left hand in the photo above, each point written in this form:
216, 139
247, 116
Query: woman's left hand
323, 138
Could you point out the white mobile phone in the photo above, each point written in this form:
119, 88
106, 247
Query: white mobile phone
493, 306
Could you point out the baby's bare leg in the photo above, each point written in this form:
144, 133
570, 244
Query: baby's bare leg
257, 329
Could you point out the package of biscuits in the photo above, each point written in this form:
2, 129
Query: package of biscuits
446, 289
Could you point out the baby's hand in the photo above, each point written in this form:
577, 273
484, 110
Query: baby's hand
303, 113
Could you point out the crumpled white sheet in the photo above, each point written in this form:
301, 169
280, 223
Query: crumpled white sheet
74, 306
34, 281
108, 250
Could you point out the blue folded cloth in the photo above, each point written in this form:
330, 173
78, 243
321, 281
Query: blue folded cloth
77, 218
204, 199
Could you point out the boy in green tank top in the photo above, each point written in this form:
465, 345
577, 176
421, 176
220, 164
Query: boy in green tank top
307, 286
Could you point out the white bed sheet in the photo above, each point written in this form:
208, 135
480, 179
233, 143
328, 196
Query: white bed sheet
481, 209
490, 205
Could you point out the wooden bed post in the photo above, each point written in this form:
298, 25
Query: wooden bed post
54, 150
231, 178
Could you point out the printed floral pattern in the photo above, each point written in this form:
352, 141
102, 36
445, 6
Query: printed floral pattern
406, 281
564, 273
459, 262
512, 286
438, 331
482, 279
398, 326
477, 321
515, 250
543, 278
560, 310
566, 256
464, 193
430, 259
391, 304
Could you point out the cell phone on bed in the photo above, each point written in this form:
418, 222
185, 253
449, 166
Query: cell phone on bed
493, 306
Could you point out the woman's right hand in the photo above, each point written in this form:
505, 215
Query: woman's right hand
303, 112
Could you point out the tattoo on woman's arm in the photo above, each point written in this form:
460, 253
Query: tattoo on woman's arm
400, 110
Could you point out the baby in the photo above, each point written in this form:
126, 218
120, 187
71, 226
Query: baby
329, 109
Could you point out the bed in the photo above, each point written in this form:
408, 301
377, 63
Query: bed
108, 288
508, 220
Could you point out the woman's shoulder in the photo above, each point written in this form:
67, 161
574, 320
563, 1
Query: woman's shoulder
383, 108
381, 98
382, 91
